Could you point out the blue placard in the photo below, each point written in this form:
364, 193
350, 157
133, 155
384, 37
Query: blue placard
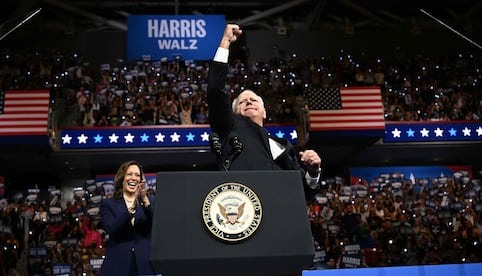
61, 269
171, 37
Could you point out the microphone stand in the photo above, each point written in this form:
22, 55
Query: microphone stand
237, 149
217, 149
225, 160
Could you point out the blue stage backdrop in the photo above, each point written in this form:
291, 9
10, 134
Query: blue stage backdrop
170, 37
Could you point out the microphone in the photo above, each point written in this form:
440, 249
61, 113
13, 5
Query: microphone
237, 145
216, 145
237, 148
217, 148
225, 159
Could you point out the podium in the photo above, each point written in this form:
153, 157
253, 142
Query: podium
279, 243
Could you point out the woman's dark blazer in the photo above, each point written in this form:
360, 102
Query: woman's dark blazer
125, 239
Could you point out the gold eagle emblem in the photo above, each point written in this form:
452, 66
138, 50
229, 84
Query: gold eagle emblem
231, 213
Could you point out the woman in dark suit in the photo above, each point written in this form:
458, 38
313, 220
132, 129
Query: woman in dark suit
244, 143
127, 218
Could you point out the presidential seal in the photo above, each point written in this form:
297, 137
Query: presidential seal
232, 212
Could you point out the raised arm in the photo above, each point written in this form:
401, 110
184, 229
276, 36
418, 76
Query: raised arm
220, 112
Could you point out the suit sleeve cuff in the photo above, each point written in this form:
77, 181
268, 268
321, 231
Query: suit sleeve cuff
312, 182
222, 55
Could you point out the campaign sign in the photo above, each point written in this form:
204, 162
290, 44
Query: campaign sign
96, 263
39, 251
61, 269
174, 37
352, 256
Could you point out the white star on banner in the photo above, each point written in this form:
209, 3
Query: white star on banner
129, 138
205, 136
82, 139
479, 131
466, 131
424, 132
396, 133
113, 138
294, 134
66, 139
175, 137
160, 137
439, 132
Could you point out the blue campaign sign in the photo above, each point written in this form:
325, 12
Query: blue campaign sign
187, 37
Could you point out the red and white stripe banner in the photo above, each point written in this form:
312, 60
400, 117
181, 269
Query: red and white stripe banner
24, 112
352, 108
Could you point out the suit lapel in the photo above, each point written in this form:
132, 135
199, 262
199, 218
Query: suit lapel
265, 138
285, 160
120, 205
283, 143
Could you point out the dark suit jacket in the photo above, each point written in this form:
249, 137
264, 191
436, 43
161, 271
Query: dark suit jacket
256, 153
125, 238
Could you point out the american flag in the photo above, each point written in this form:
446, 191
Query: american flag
352, 108
24, 112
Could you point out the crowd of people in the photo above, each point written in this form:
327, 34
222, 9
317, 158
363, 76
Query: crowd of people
387, 221
395, 221
40, 233
173, 92
380, 222
44, 233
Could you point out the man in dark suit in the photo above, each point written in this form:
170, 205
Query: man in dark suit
242, 143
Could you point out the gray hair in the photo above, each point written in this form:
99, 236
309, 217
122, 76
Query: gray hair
235, 101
